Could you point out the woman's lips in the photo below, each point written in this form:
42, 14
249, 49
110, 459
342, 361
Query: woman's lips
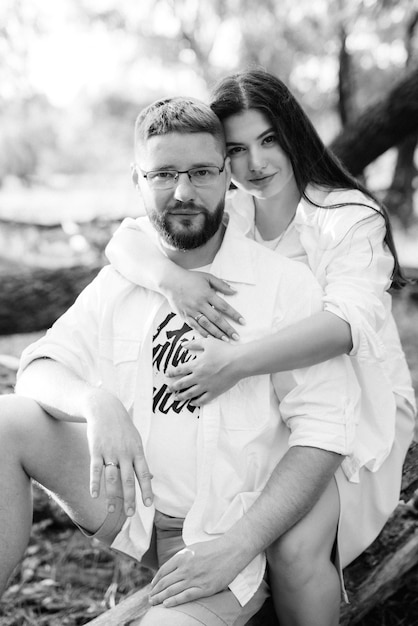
262, 180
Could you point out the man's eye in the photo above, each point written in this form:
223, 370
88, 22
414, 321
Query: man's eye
201, 173
164, 175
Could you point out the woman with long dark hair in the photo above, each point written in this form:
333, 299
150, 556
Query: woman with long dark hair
293, 196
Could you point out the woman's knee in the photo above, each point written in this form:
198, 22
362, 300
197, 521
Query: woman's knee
309, 543
290, 553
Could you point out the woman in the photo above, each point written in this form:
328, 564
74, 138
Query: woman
294, 197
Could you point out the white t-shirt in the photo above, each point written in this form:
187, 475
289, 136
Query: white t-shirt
171, 449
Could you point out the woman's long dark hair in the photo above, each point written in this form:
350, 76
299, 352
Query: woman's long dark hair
312, 162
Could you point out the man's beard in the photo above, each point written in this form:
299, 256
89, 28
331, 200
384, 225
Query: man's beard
183, 236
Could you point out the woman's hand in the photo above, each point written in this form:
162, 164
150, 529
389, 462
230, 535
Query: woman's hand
214, 370
194, 296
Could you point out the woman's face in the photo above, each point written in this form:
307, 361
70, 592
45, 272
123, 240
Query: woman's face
259, 165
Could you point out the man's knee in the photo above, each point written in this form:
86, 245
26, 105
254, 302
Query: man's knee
160, 616
17, 416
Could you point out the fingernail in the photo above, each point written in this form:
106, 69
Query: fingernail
148, 502
111, 508
224, 338
241, 320
130, 512
235, 336
94, 494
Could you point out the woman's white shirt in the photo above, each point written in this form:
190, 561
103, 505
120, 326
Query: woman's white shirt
345, 249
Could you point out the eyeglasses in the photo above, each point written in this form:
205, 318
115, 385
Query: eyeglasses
203, 176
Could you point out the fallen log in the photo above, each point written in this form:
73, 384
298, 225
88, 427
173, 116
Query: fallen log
381, 570
32, 299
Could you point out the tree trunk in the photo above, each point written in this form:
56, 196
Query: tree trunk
381, 126
399, 196
32, 299
346, 87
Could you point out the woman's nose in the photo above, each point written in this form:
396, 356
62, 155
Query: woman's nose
256, 161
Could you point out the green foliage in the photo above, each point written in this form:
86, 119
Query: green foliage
171, 46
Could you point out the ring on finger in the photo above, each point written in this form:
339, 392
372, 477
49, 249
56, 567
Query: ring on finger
197, 318
112, 463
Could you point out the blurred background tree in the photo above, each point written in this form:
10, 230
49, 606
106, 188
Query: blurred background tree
74, 73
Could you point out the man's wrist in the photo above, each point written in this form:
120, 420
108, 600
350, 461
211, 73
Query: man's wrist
237, 549
95, 401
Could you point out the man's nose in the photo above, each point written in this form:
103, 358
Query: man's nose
184, 190
256, 161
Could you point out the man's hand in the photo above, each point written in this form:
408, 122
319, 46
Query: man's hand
197, 571
115, 446
112, 437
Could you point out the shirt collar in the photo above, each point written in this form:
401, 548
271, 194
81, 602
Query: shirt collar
236, 258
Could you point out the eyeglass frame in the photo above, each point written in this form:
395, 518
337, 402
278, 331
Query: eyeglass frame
144, 174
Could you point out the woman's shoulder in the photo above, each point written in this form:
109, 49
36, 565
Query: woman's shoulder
341, 208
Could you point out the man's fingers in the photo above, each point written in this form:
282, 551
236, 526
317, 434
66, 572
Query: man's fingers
112, 484
96, 469
144, 478
167, 586
188, 595
128, 488
165, 569
176, 594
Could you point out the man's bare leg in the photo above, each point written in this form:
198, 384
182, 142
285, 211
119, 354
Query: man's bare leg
55, 454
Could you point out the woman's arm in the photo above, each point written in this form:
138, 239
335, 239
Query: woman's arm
219, 366
191, 294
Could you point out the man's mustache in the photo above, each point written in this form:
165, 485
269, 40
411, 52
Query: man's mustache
181, 207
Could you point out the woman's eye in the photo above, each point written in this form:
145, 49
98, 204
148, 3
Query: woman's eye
235, 150
270, 139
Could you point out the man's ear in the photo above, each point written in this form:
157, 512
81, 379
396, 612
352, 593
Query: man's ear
135, 175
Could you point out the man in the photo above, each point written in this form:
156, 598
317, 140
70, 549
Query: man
228, 478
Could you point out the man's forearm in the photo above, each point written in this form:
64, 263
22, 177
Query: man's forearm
292, 490
57, 389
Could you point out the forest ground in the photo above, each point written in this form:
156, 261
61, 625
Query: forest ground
67, 580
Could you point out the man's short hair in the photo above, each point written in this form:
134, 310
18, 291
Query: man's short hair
178, 115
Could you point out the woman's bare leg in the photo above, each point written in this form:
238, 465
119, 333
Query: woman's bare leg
305, 584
